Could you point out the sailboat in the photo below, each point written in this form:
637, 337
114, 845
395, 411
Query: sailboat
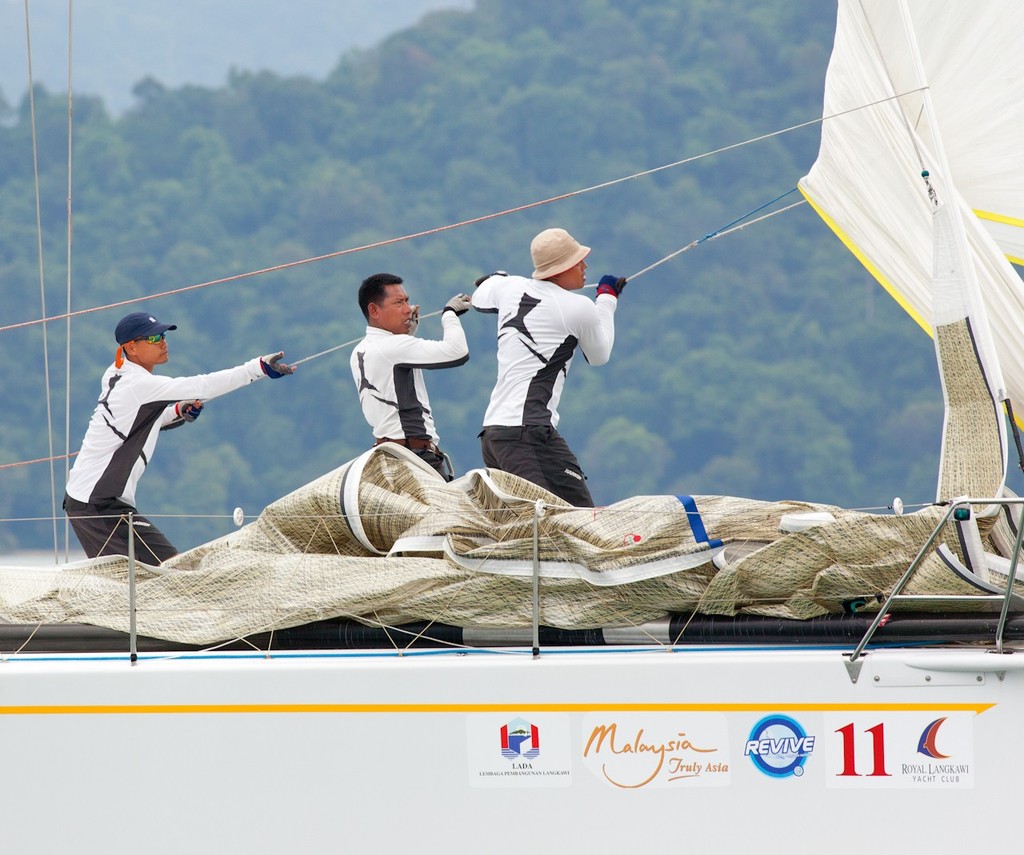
709, 671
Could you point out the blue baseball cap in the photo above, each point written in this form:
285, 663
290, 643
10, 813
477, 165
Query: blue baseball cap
138, 325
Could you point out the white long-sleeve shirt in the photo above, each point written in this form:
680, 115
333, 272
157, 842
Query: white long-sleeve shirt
388, 373
134, 406
540, 326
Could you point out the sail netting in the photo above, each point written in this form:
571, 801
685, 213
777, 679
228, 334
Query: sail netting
384, 540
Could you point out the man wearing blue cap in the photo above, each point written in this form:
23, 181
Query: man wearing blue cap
134, 406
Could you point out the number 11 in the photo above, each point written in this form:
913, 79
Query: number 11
878, 752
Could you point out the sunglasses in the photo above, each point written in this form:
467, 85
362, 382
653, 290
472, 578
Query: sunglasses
153, 339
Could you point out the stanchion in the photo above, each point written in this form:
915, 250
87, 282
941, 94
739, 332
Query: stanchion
133, 648
538, 510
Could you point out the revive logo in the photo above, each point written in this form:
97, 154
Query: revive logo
779, 747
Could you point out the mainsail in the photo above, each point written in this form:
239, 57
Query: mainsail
895, 132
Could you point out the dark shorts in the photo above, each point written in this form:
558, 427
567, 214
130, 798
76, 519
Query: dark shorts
539, 454
102, 529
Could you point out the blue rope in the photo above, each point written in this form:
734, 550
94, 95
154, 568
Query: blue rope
746, 216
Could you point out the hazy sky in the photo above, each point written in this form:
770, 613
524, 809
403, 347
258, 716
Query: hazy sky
116, 43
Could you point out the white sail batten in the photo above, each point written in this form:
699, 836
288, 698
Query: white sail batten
867, 183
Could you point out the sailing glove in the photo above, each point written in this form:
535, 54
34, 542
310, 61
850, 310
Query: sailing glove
414, 320
273, 367
460, 304
611, 285
188, 411
486, 276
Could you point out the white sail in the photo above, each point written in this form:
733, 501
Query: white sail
878, 138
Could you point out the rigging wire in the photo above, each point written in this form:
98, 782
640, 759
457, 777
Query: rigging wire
450, 226
42, 280
732, 227
389, 241
67, 322
911, 130
722, 232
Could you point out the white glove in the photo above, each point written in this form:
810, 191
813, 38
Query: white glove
188, 411
460, 304
273, 367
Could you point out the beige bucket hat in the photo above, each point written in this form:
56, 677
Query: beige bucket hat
554, 251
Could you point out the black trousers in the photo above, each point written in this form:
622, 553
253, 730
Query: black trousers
436, 460
539, 454
102, 529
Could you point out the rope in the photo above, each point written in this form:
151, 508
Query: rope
722, 232
472, 221
725, 230
67, 353
49, 459
350, 343
925, 174
42, 279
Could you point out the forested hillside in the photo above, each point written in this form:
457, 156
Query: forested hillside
116, 43
765, 364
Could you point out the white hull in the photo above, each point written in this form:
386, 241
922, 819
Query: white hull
371, 751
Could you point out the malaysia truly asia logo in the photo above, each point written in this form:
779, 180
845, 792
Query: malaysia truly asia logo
520, 740
652, 750
779, 746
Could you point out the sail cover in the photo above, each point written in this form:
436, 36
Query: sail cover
878, 138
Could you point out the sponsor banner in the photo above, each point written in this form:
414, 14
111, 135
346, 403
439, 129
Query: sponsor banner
519, 750
780, 746
921, 750
658, 749
857, 748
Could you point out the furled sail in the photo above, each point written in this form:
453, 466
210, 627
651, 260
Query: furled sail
880, 134
385, 540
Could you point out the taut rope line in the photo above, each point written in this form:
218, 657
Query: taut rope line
425, 233
722, 232
42, 280
67, 323
712, 236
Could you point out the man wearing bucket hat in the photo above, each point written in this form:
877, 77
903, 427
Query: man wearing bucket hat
540, 325
134, 406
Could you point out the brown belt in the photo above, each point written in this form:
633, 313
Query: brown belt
412, 442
